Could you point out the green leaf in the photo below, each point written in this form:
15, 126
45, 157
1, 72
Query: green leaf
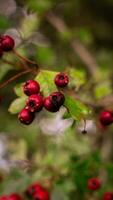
45, 56
39, 6
46, 80
17, 105
28, 26
4, 22
77, 109
4, 69
19, 90
103, 89
77, 78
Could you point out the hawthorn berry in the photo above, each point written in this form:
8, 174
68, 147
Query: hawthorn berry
53, 102
36, 191
94, 184
42, 194
34, 103
31, 87
108, 196
4, 198
106, 117
25, 116
61, 79
7, 43
14, 196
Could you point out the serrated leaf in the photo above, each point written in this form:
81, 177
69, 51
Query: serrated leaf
17, 105
46, 80
76, 108
29, 24
18, 90
77, 78
103, 89
4, 69
40, 6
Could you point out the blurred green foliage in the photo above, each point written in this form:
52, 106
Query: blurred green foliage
71, 158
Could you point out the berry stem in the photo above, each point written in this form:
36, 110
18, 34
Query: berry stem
24, 58
18, 65
15, 77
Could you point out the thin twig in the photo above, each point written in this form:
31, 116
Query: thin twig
25, 59
15, 77
76, 45
19, 65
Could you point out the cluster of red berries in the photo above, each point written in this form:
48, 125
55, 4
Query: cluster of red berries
106, 117
36, 102
37, 192
6, 44
34, 191
95, 184
13, 196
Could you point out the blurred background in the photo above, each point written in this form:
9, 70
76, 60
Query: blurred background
53, 150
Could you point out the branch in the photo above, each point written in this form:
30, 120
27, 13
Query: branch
76, 45
15, 77
25, 59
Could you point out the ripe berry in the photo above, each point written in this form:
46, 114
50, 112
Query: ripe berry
25, 116
94, 184
34, 103
108, 196
42, 194
61, 80
53, 102
14, 196
106, 117
4, 198
31, 87
7, 43
37, 192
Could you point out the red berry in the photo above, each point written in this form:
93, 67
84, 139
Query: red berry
108, 196
94, 184
41, 194
53, 102
32, 189
31, 87
7, 43
25, 116
61, 80
106, 117
37, 192
3, 198
14, 196
34, 103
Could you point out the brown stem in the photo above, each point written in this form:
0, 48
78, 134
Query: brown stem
15, 77
24, 58
19, 65
78, 48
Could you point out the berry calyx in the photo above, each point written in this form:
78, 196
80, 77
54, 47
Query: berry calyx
36, 191
14, 196
31, 87
25, 116
34, 103
7, 43
61, 80
106, 117
53, 102
94, 184
108, 196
